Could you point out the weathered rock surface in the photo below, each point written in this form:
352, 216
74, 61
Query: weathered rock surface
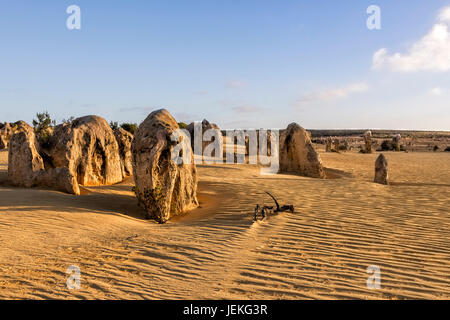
124, 140
26, 166
5, 135
59, 179
24, 160
381, 170
8, 129
21, 126
88, 148
163, 188
297, 154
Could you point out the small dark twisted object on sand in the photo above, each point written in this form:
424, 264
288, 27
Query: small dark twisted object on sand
263, 211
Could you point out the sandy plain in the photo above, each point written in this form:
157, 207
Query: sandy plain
321, 251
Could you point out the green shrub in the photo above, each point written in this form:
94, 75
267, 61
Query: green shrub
114, 125
43, 122
387, 145
130, 127
182, 125
43, 127
69, 120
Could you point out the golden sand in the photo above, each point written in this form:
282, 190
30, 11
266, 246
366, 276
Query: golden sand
340, 227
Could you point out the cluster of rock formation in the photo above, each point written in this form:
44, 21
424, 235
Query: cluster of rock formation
163, 187
83, 152
297, 154
86, 151
336, 144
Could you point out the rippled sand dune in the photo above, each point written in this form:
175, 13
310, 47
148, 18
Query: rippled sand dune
339, 228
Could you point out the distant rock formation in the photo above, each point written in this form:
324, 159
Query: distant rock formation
297, 154
346, 145
268, 145
381, 170
124, 140
367, 142
337, 145
396, 139
328, 143
163, 188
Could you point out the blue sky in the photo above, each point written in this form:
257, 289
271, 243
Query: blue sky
251, 63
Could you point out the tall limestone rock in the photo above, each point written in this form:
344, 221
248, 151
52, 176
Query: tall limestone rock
367, 142
26, 166
163, 188
88, 148
297, 154
381, 170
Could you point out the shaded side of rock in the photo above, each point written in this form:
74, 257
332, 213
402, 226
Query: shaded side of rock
124, 140
60, 179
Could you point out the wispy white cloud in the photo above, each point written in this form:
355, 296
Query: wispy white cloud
444, 15
235, 84
185, 117
335, 93
430, 53
438, 91
247, 109
141, 110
